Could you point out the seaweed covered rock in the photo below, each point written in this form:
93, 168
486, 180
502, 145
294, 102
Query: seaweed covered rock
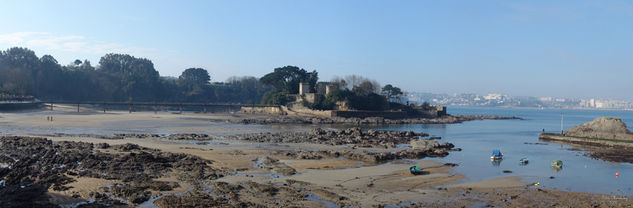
351, 136
31, 164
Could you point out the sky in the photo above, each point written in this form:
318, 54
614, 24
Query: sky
573, 49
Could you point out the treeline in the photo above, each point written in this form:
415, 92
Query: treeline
123, 78
117, 77
356, 92
359, 93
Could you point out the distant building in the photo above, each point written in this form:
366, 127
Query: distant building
305, 91
324, 88
493, 96
304, 88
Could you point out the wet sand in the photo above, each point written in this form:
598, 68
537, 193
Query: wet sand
317, 182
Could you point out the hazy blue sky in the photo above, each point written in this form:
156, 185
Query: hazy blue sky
532, 48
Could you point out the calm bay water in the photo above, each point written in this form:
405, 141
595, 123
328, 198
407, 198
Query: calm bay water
478, 139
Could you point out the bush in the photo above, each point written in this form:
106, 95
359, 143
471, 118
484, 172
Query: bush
277, 97
371, 101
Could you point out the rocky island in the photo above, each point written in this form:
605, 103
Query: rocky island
601, 131
605, 138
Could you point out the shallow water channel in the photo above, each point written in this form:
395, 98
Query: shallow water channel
516, 139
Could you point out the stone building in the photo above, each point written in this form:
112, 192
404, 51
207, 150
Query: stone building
305, 91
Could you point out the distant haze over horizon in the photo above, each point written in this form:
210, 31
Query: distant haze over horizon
567, 49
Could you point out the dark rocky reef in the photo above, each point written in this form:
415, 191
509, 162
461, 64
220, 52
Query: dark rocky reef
433, 150
449, 119
30, 166
352, 136
250, 194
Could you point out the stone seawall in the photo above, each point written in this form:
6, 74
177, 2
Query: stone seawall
585, 140
368, 114
263, 110
306, 111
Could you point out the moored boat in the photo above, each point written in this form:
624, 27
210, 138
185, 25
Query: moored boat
496, 155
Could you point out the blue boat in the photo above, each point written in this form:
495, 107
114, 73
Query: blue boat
496, 155
524, 161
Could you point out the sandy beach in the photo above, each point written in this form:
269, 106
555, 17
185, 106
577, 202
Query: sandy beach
273, 174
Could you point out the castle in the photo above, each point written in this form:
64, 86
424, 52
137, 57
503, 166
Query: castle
341, 108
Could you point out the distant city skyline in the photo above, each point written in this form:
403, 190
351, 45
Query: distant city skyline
505, 100
573, 49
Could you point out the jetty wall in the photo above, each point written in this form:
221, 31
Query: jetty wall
585, 140
264, 110
366, 114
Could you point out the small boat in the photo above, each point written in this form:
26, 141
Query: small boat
496, 155
557, 164
415, 170
524, 161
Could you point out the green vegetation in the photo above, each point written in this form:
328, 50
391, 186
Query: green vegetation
118, 77
359, 92
122, 77
392, 92
277, 97
287, 78
286, 81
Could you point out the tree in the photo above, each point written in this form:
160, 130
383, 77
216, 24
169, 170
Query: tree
391, 92
18, 69
195, 76
139, 79
287, 78
365, 88
194, 84
121, 77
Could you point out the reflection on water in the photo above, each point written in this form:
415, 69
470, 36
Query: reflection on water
496, 162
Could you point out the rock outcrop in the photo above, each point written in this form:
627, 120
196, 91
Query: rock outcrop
424, 145
449, 119
352, 136
604, 128
30, 166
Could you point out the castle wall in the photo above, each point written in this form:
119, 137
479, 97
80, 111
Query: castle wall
263, 110
365, 114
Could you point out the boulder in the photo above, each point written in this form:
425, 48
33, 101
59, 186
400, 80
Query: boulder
604, 127
424, 145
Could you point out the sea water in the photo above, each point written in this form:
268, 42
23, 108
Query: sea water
478, 138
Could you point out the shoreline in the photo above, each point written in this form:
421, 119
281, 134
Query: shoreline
342, 184
345, 184
289, 168
288, 119
586, 140
604, 149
